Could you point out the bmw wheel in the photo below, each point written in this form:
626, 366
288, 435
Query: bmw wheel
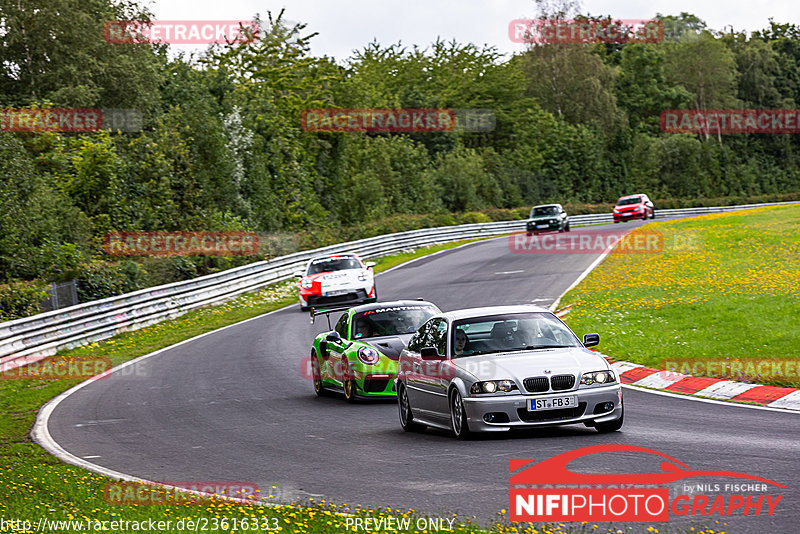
611, 426
458, 416
404, 407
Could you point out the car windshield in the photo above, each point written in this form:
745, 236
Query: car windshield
391, 321
511, 332
336, 263
628, 201
544, 210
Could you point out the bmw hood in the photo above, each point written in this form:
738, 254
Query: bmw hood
523, 364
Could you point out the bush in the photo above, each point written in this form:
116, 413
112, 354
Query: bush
21, 299
101, 280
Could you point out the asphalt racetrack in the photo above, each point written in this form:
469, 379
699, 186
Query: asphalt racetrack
234, 406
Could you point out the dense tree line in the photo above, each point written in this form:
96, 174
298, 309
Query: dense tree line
222, 147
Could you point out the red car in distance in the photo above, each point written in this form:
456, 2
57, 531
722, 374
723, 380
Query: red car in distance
633, 207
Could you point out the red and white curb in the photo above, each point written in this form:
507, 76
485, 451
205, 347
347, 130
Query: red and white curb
708, 387
719, 389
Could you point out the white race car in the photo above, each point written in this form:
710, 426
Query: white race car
336, 279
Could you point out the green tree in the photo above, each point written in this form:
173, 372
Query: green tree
40, 227
642, 88
54, 51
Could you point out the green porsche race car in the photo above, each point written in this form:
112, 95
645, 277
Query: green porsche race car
359, 356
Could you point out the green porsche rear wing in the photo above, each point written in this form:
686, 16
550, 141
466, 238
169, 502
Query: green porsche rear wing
326, 312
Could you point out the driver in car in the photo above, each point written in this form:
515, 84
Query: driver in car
462, 342
363, 328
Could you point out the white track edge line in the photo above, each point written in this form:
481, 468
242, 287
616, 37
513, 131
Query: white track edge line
41, 434
583, 275
710, 401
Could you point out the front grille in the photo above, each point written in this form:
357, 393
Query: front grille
537, 384
561, 414
375, 385
562, 382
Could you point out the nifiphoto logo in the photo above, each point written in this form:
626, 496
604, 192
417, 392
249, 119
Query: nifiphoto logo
558, 31
546, 491
193, 32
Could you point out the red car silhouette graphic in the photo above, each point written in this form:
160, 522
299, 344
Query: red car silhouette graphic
554, 470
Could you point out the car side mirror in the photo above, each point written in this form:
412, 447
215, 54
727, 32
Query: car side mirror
370, 264
590, 340
430, 353
333, 337
299, 274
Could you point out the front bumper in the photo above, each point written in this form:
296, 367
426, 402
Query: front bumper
542, 226
589, 409
375, 381
353, 296
628, 215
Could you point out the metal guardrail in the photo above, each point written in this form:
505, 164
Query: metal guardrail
33, 338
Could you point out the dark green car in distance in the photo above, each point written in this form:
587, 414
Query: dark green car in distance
359, 356
547, 218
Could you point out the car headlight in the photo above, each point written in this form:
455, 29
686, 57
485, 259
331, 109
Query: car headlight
368, 355
491, 386
616, 210
362, 277
598, 377
306, 283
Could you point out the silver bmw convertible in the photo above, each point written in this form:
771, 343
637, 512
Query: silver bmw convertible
503, 367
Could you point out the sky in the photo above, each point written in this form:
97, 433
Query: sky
347, 25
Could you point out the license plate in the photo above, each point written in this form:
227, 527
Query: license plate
553, 403
337, 292
542, 225
627, 214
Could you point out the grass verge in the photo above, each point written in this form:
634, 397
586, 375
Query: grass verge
724, 290
38, 493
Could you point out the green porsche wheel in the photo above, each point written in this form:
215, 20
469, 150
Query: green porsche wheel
349, 385
316, 376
